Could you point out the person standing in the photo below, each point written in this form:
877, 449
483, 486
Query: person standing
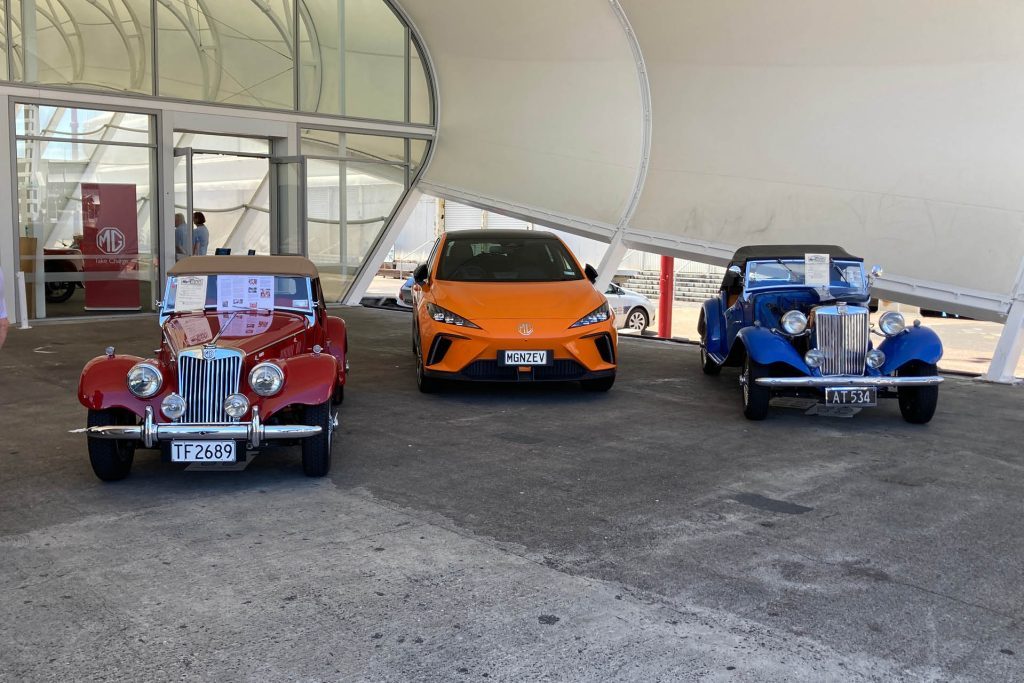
181, 249
200, 234
4, 323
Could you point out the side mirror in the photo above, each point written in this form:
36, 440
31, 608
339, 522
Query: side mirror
591, 273
736, 270
421, 274
876, 272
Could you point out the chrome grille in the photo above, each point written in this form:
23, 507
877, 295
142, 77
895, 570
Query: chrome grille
841, 332
204, 383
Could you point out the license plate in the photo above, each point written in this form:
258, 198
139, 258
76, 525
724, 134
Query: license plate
524, 357
202, 451
851, 396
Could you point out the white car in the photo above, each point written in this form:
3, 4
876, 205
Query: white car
633, 311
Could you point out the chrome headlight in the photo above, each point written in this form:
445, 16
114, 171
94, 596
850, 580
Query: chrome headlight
443, 315
236, 405
891, 323
266, 379
145, 380
173, 406
814, 358
598, 315
794, 322
875, 358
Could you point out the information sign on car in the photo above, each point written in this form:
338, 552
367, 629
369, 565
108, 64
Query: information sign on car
202, 451
524, 357
851, 396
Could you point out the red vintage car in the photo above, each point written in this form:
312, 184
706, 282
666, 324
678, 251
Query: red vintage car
248, 356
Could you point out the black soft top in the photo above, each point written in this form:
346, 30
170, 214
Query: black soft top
757, 252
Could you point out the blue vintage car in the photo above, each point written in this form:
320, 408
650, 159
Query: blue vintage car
796, 319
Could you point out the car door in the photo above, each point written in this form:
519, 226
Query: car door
617, 301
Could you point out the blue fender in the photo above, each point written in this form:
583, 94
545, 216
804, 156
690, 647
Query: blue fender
766, 347
913, 344
714, 330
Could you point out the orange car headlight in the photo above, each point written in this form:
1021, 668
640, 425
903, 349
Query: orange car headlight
443, 315
598, 315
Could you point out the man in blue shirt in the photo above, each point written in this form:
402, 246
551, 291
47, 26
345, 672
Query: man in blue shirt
181, 249
200, 234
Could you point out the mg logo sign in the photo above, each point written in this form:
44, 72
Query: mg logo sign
525, 329
110, 241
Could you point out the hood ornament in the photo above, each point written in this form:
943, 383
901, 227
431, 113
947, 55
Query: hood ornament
209, 352
525, 329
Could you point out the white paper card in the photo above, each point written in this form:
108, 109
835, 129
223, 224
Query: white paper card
190, 293
245, 292
816, 270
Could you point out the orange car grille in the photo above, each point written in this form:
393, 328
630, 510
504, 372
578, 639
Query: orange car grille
560, 369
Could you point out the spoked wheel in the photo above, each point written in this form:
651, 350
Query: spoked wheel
637, 320
707, 363
755, 396
59, 292
316, 450
917, 404
111, 459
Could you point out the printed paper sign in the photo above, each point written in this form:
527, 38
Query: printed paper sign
242, 325
245, 292
190, 293
816, 270
196, 329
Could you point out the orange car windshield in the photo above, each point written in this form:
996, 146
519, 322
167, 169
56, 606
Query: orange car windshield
528, 259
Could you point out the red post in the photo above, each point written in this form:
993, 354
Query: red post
666, 295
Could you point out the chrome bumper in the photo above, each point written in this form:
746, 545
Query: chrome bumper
848, 381
150, 432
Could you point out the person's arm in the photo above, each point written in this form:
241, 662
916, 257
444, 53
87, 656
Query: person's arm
4, 324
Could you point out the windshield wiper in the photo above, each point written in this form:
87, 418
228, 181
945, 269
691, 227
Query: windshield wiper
791, 271
841, 274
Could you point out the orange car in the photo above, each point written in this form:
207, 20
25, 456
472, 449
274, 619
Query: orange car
510, 305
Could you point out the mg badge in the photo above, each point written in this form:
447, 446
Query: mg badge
209, 352
525, 329
841, 308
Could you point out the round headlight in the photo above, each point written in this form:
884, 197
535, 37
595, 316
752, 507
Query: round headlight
236, 405
144, 380
891, 323
814, 358
173, 406
266, 379
876, 358
794, 322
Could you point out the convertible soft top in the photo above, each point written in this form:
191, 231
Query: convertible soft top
245, 265
757, 252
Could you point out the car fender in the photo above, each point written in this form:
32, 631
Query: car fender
337, 343
309, 380
712, 335
766, 347
103, 384
913, 344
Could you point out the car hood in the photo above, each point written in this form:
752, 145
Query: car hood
571, 299
243, 330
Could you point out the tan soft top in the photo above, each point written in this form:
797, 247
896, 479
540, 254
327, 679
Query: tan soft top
245, 265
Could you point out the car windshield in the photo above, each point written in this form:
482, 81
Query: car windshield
525, 259
237, 293
845, 277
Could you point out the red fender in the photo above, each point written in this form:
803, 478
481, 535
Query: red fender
309, 380
103, 384
337, 343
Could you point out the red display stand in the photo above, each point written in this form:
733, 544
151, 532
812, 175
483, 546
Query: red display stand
110, 245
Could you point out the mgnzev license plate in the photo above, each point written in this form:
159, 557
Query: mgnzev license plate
851, 396
524, 357
202, 451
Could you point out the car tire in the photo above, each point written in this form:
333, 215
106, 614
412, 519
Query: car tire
426, 385
707, 363
917, 404
338, 397
111, 459
599, 384
59, 292
755, 396
637, 319
316, 450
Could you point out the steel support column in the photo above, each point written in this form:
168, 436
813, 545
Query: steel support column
666, 295
613, 256
380, 250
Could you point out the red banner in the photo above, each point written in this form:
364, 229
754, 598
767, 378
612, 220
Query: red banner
110, 245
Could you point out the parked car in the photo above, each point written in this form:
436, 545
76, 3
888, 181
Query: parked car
632, 310
404, 298
248, 357
67, 262
510, 305
794, 336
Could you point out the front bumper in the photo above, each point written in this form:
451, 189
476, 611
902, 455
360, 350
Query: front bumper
150, 433
847, 381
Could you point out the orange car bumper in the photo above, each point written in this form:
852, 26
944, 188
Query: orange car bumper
464, 353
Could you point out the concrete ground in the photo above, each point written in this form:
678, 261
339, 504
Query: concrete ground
517, 533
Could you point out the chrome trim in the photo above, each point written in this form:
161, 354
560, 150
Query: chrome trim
842, 333
151, 433
849, 381
204, 382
